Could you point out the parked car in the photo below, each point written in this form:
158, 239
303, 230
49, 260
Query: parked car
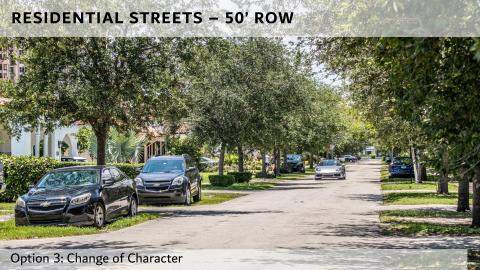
207, 163
401, 167
330, 168
80, 195
169, 180
348, 158
295, 163
74, 159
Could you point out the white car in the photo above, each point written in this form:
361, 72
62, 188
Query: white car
330, 168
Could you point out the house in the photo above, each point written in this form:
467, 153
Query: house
61, 142
157, 140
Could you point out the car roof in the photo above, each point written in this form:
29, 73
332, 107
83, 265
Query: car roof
83, 167
167, 157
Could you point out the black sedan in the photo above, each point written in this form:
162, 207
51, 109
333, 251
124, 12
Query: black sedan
80, 195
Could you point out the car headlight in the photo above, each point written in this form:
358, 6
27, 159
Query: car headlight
20, 202
178, 181
139, 181
318, 169
81, 199
338, 169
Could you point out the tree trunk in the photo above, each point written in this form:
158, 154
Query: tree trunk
310, 161
101, 133
285, 163
416, 174
240, 158
476, 199
221, 160
442, 187
443, 180
277, 161
463, 192
423, 172
264, 163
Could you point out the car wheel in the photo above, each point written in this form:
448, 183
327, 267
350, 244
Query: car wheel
133, 209
198, 197
99, 216
188, 196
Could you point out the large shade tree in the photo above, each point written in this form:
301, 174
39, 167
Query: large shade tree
125, 83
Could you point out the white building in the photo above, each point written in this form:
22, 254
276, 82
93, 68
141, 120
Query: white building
62, 142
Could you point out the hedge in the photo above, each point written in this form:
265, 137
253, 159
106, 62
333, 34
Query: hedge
241, 177
263, 175
218, 180
22, 171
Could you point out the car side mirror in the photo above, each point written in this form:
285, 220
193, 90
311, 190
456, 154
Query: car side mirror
31, 186
191, 169
107, 181
139, 169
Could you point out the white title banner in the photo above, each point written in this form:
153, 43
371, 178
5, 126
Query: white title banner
239, 18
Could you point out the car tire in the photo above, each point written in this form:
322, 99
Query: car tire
198, 197
133, 208
188, 196
99, 216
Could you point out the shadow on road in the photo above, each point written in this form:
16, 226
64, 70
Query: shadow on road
97, 244
191, 213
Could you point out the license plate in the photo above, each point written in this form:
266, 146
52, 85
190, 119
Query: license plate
404, 167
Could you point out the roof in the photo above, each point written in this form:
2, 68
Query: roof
82, 167
167, 157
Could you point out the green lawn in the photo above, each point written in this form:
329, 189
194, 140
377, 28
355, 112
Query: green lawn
408, 186
423, 213
216, 198
9, 231
419, 198
421, 229
296, 175
242, 186
7, 206
205, 175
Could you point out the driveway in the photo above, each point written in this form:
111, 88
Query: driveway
301, 213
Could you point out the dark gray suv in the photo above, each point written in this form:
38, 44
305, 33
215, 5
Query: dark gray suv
169, 180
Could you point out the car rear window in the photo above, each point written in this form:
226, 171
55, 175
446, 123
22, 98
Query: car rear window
402, 161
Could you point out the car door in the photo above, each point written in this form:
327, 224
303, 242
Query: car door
112, 193
122, 186
192, 174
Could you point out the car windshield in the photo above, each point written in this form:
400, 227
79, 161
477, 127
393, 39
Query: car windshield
402, 161
164, 166
328, 163
293, 157
69, 179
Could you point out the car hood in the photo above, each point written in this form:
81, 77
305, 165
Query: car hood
328, 168
68, 192
159, 176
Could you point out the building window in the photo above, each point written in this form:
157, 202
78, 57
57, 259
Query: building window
22, 70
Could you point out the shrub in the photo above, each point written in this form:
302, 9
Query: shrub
130, 169
264, 175
22, 171
241, 177
218, 180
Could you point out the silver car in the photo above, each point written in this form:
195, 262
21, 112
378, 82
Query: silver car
330, 168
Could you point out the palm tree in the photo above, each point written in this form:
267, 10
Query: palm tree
121, 147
